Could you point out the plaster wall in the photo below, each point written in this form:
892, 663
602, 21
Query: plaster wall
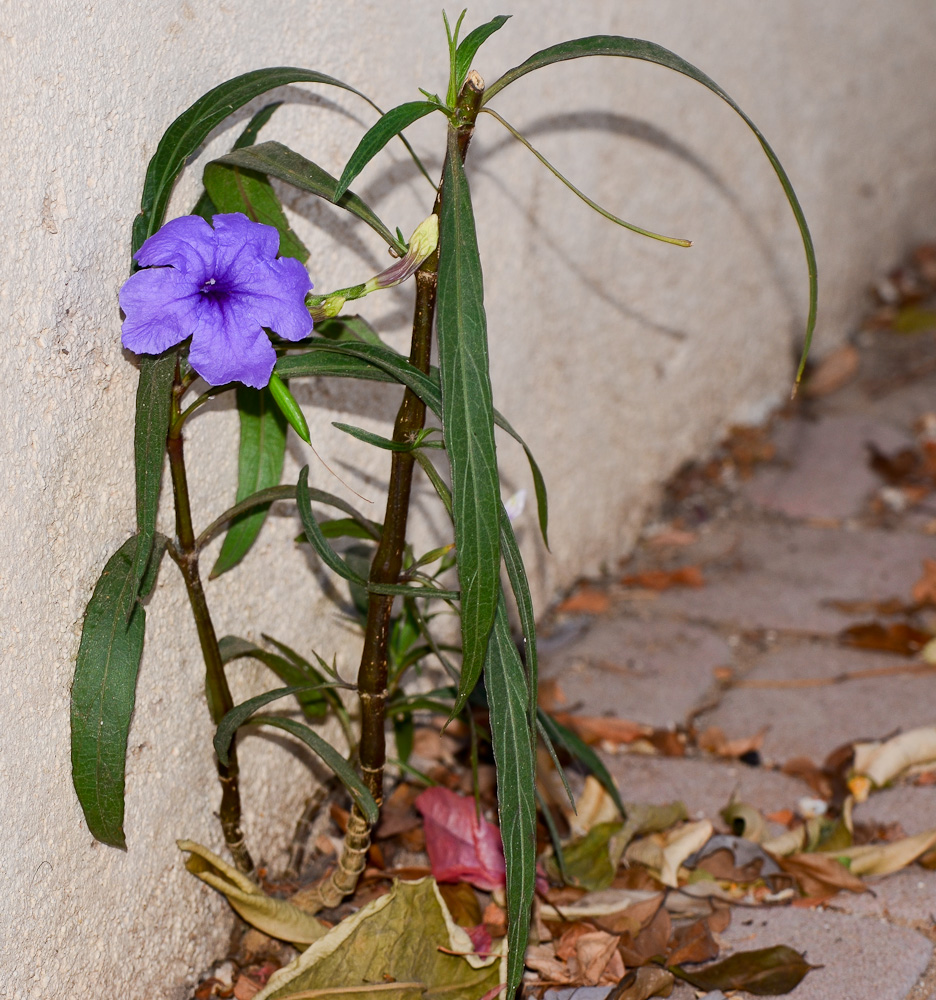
616, 357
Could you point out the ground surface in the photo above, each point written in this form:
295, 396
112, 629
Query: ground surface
792, 550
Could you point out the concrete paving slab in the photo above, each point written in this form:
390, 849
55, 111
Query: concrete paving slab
813, 721
647, 672
914, 807
906, 897
778, 576
863, 958
705, 786
821, 469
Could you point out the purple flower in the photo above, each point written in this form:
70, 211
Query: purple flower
220, 287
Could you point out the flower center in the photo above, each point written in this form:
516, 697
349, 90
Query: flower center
210, 287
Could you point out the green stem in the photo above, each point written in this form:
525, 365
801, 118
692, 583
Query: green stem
185, 553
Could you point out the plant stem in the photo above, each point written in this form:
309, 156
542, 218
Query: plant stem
185, 553
388, 559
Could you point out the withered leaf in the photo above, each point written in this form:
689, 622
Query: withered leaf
586, 601
650, 943
764, 972
462, 903
663, 579
898, 637
692, 943
821, 874
643, 983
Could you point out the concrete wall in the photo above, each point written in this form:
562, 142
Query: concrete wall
618, 358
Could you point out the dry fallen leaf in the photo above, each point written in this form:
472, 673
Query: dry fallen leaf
821, 874
882, 762
884, 859
713, 740
764, 972
586, 601
900, 638
924, 590
643, 983
662, 579
597, 729
835, 370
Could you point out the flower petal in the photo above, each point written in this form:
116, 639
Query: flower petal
275, 292
241, 243
230, 346
162, 307
187, 243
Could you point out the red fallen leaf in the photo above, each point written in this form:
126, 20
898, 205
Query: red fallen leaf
663, 579
462, 846
480, 939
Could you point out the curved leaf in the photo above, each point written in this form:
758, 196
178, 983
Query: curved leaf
379, 134
514, 755
539, 484
636, 48
191, 128
369, 437
263, 498
153, 410
314, 534
104, 689
342, 770
259, 467
239, 714
467, 417
520, 585
276, 160
313, 702
469, 46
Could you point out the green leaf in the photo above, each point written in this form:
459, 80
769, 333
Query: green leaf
473, 41
375, 439
276, 160
104, 689
263, 498
239, 714
379, 134
314, 533
346, 527
763, 972
342, 770
520, 585
636, 48
514, 755
191, 128
250, 134
581, 751
467, 417
539, 484
259, 466
353, 328
233, 189
153, 408
314, 703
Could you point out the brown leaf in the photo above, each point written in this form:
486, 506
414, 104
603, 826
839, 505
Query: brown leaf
900, 638
566, 945
835, 370
692, 943
245, 988
462, 903
650, 942
550, 695
541, 958
643, 983
924, 590
820, 874
888, 606
764, 972
672, 536
632, 919
714, 740
896, 468
662, 579
494, 920
806, 770
668, 742
586, 600
595, 729
594, 951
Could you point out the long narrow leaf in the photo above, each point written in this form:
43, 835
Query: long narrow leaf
581, 751
104, 689
520, 585
379, 134
342, 770
468, 47
467, 417
314, 534
191, 128
276, 160
636, 48
512, 740
153, 408
259, 466
539, 484
239, 714
314, 703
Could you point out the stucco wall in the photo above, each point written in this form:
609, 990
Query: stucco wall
616, 357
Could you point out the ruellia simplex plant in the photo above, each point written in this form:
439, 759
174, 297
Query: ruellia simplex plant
223, 294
